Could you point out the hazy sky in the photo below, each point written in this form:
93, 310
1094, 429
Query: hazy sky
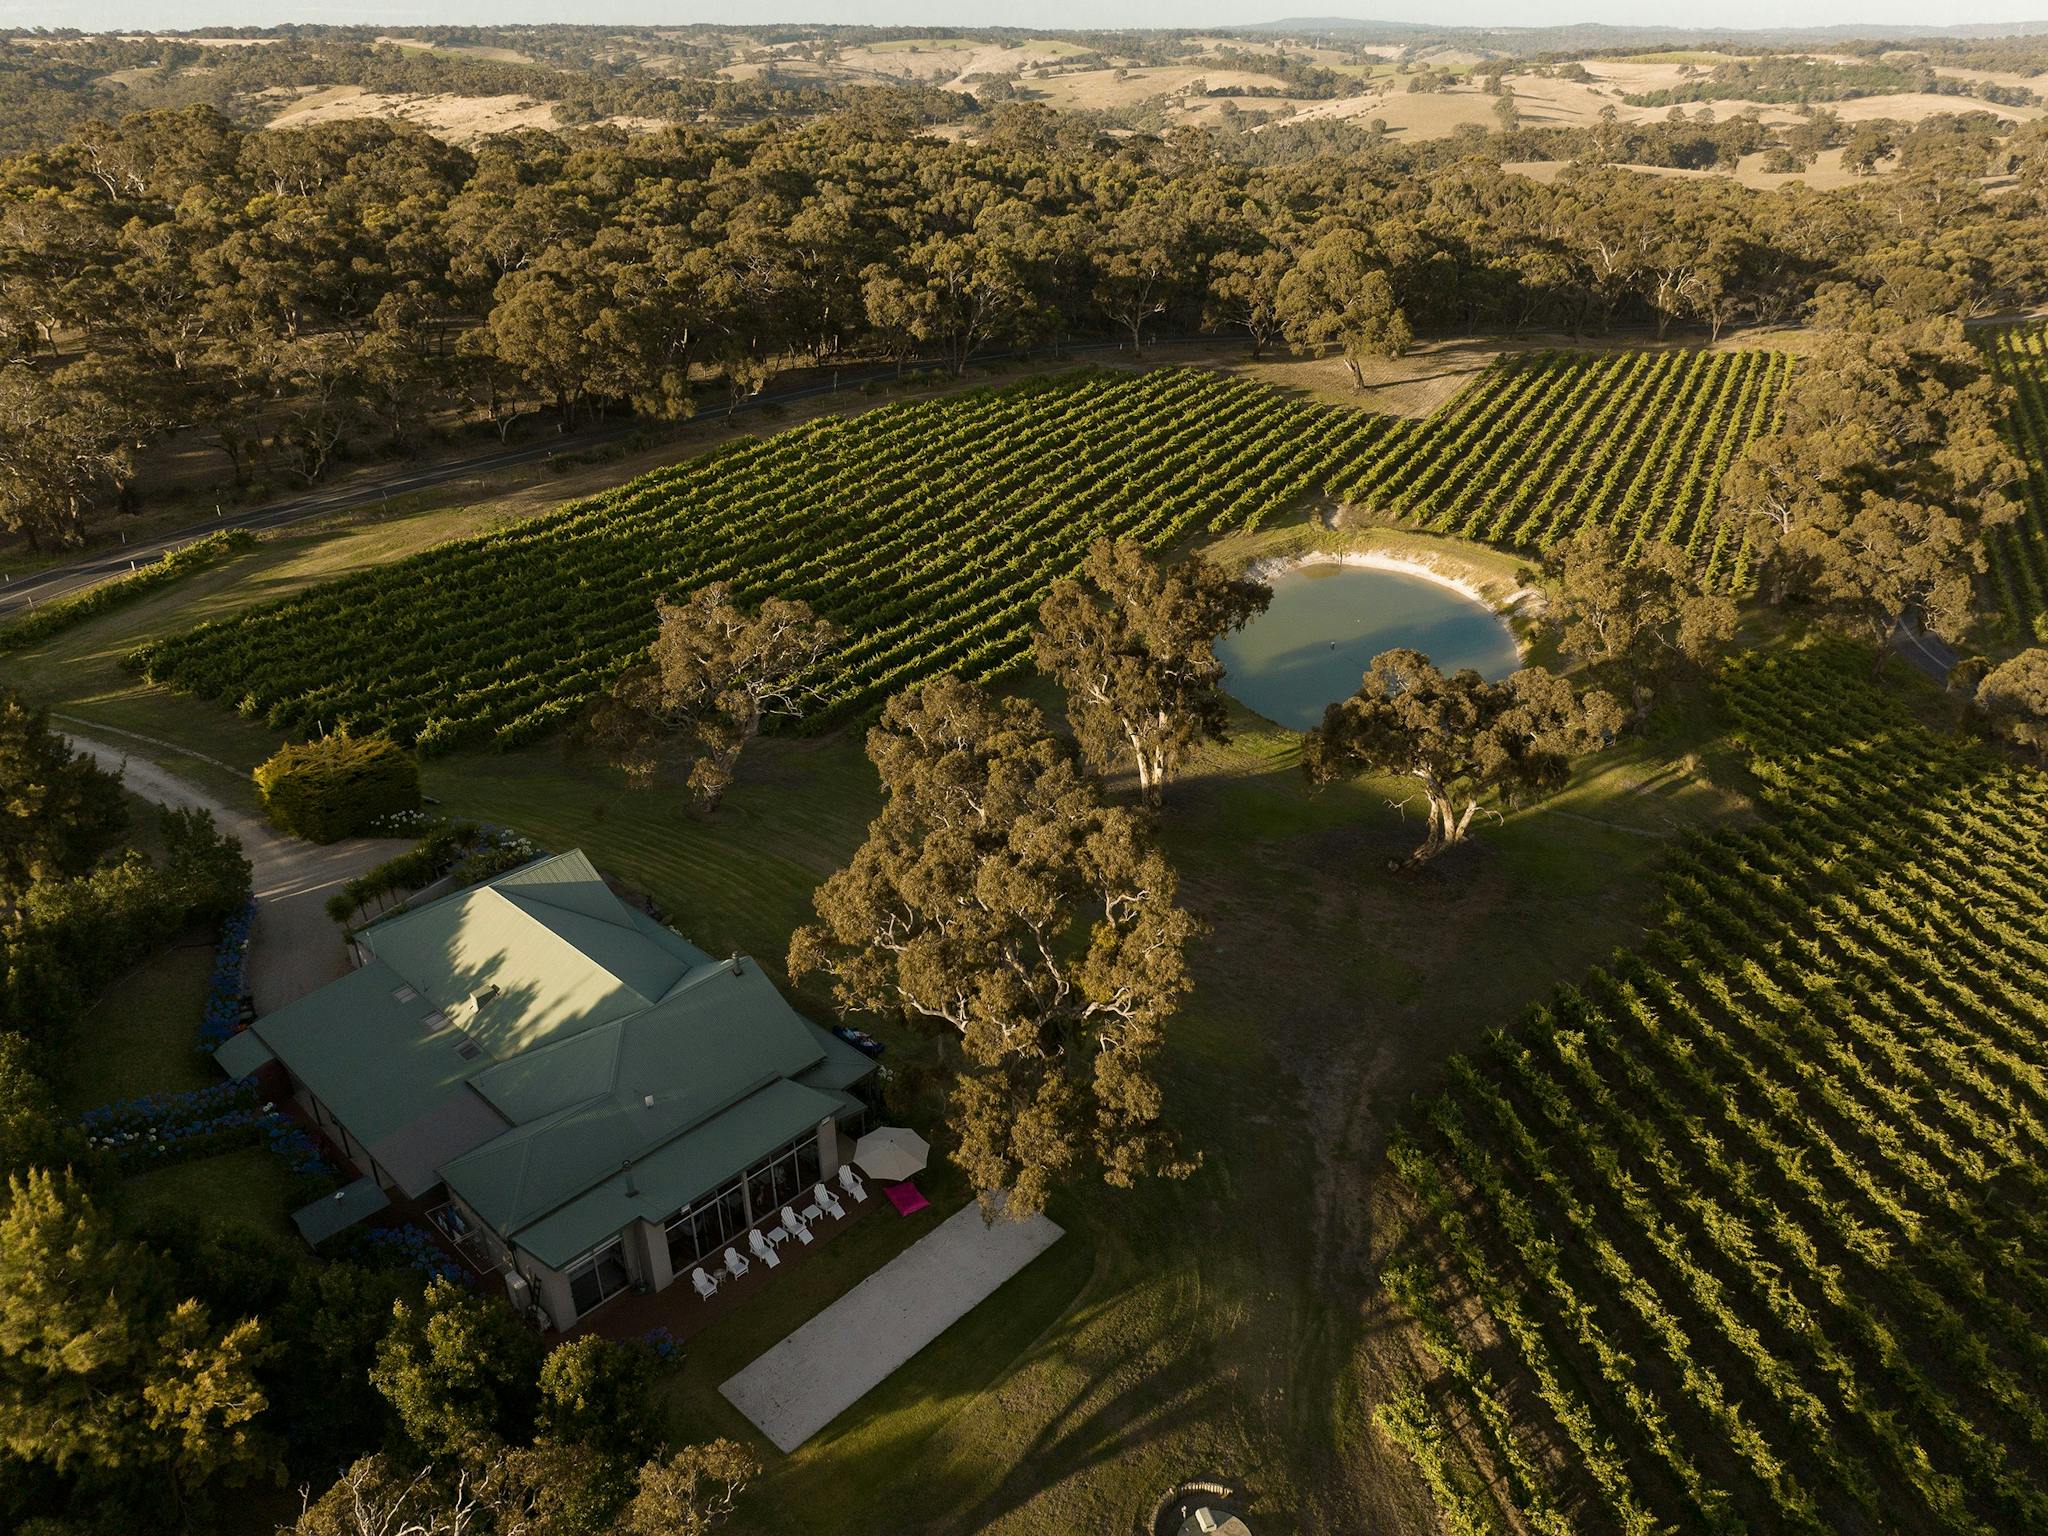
1877, 14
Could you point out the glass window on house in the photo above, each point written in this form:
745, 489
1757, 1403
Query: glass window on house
704, 1230
785, 1178
598, 1278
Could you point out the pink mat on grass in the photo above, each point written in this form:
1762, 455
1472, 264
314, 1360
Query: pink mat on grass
906, 1197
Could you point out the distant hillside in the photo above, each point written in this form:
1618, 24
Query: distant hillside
1594, 36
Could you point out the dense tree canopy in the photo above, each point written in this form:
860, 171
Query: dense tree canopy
1872, 496
1459, 737
290, 297
1632, 619
459, 1371
691, 1491
58, 808
1130, 640
2014, 695
102, 1369
998, 899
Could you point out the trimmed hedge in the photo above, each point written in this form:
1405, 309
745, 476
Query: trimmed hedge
60, 615
337, 786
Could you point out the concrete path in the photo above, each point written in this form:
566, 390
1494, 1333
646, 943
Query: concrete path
295, 947
851, 1347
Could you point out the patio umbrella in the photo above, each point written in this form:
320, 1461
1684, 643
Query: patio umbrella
892, 1153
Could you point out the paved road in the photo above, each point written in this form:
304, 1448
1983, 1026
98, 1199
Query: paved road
294, 948
1925, 652
75, 576
60, 580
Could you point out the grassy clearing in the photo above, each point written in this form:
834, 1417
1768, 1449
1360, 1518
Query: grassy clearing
142, 1036
1173, 1332
247, 1188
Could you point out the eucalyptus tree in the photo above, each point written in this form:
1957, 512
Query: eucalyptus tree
1458, 737
1873, 495
1131, 641
714, 673
1634, 620
2014, 694
999, 903
1338, 292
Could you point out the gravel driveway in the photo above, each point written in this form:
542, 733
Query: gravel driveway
295, 948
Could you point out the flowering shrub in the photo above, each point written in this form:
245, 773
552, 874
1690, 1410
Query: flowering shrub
163, 1128
402, 824
664, 1346
166, 1127
412, 1247
299, 1150
227, 992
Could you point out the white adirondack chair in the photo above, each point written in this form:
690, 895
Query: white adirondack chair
706, 1286
827, 1202
762, 1250
802, 1232
734, 1264
850, 1182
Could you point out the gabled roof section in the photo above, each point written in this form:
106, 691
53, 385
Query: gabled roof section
562, 1218
614, 1096
559, 1059
366, 1051
726, 1027
561, 951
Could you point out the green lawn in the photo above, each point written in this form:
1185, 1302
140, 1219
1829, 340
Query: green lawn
142, 1036
247, 1188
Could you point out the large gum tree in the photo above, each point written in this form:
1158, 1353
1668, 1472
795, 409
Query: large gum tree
1460, 738
1132, 641
999, 903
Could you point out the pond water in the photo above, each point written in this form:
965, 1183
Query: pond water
1327, 622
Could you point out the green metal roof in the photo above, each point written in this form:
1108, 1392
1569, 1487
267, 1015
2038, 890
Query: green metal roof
394, 1039
339, 1211
542, 936
841, 1066
367, 1055
714, 1051
514, 1172
563, 1062
241, 1054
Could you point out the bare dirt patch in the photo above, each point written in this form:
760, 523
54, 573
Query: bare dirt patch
1414, 385
1826, 174
1100, 89
458, 119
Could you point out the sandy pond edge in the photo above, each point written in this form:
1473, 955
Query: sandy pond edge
1518, 603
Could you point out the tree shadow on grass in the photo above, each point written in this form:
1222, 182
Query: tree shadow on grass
1089, 1431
